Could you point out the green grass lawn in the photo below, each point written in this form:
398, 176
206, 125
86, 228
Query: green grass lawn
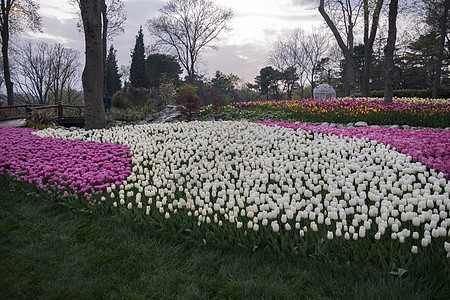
48, 251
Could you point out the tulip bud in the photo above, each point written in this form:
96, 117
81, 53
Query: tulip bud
414, 249
394, 227
275, 227
424, 242
330, 235
377, 236
435, 233
447, 246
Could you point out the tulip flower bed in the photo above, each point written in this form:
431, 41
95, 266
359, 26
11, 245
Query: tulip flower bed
274, 188
410, 111
69, 168
428, 146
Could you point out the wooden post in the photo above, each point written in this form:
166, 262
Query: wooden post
27, 112
60, 112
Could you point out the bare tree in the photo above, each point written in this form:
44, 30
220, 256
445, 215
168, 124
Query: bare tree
93, 70
288, 53
33, 69
187, 27
370, 31
14, 14
314, 46
281, 57
389, 52
45, 73
64, 65
345, 14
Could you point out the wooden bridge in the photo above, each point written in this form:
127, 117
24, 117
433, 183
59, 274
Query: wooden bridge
61, 114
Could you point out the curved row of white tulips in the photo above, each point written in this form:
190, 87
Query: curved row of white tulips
258, 177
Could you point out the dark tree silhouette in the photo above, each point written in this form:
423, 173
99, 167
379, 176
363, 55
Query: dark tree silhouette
138, 76
113, 82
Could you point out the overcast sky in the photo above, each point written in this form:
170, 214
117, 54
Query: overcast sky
242, 51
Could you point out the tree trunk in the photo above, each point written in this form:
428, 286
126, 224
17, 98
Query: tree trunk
369, 38
104, 41
349, 80
364, 85
437, 78
93, 70
350, 72
389, 53
348, 55
6, 67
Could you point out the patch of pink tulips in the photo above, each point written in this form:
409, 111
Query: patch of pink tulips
68, 167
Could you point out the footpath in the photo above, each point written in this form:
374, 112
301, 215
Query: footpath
13, 123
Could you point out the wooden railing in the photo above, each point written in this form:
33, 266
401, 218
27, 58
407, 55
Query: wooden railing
62, 114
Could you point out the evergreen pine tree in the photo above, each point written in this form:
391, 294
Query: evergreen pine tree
113, 82
138, 76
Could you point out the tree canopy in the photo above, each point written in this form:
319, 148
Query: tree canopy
113, 82
187, 27
138, 76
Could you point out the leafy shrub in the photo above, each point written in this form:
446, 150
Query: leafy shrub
217, 103
167, 93
119, 100
138, 97
187, 88
41, 118
190, 102
130, 114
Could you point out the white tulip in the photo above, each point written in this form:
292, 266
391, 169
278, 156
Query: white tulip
424, 242
330, 235
447, 246
275, 226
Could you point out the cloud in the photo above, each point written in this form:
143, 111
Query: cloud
243, 51
63, 31
245, 61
